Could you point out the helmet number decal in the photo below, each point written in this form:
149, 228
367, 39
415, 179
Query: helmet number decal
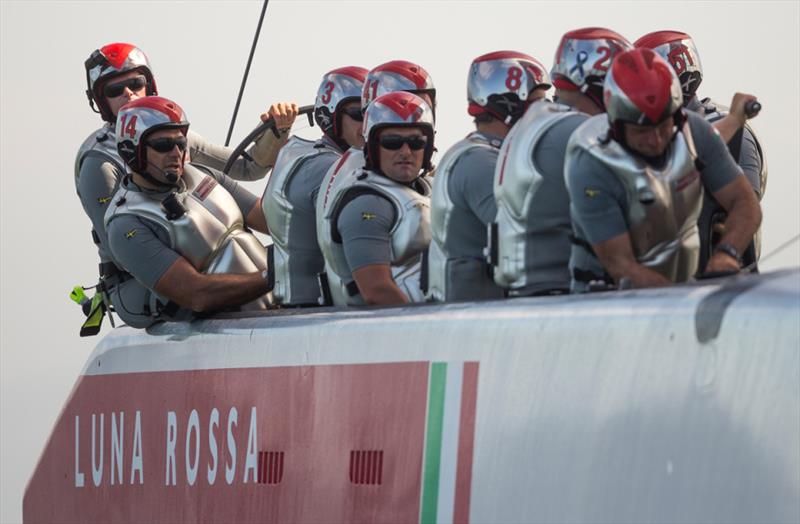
678, 57
326, 96
602, 62
130, 128
514, 78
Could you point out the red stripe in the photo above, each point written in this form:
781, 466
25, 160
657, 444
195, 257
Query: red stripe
272, 458
466, 442
358, 468
280, 468
380, 467
503, 167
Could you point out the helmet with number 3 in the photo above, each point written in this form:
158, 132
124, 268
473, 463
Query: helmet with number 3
397, 75
583, 58
397, 109
337, 87
500, 83
141, 117
641, 89
109, 61
679, 51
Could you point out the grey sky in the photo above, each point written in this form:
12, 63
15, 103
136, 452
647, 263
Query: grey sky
198, 51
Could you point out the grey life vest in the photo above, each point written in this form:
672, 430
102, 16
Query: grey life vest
452, 276
524, 237
410, 233
663, 204
210, 235
103, 144
295, 283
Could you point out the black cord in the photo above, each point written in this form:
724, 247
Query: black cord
246, 72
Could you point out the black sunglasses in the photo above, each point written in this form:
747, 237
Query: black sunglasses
116, 89
354, 113
167, 144
395, 142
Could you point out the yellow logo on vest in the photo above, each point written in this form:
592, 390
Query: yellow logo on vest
104, 200
591, 192
131, 233
367, 215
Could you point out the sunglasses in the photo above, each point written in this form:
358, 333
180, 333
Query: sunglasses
395, 142
354, 113
166, 144
116, 89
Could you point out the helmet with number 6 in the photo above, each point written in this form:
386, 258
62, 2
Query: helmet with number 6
501, 82
109, 61
140, 118
397, 75
398, 109
679, 51
583, 58
642, 89
337, 87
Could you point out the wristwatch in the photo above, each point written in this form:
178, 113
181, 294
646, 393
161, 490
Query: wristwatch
730, 251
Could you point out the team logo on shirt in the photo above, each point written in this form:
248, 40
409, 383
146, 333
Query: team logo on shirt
130, 234
103, 200
367, 215
591, 192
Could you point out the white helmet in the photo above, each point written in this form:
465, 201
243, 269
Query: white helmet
397, 75
679, 51
337, 87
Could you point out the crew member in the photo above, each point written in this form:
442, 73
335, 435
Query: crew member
179, 228
679, 50
636, 176
532, 244
373, 223
117, 74
290, 196
500, 87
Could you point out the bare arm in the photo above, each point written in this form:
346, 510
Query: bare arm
744, 218
617, 258
377, 286
728, 126
184, 285
256, 219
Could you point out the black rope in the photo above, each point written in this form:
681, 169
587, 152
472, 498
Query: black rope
246, 72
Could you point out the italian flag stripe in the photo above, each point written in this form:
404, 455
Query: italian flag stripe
447, 469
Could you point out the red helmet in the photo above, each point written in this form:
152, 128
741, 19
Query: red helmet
499, 83
397, 75
337, 87
641, 88
583, 58
679, 51
138, 119
397, 109
106, 63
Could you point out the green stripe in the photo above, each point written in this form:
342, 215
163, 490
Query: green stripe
433, 444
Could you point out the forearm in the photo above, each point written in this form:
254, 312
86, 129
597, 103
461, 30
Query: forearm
728, 126
742, 223
382, 294
616, 256
639, 275
265, 150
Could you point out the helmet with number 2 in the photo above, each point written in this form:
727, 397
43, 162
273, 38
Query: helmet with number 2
641, 89
679, 51
500, 83
583, 58
140, 118
398, 109
398, 75
109, 61
337, 87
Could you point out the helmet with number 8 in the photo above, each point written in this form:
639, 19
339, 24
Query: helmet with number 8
641, 89
109, 61
397, 75
583, 58
140, 118
338, 87
500, 83
397, 109
679, 51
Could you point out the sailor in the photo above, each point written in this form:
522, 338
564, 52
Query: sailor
116, 74
500, 87
180, 228
290, 196
373, 223
530, 244
396, 75
679, 50
636, 178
